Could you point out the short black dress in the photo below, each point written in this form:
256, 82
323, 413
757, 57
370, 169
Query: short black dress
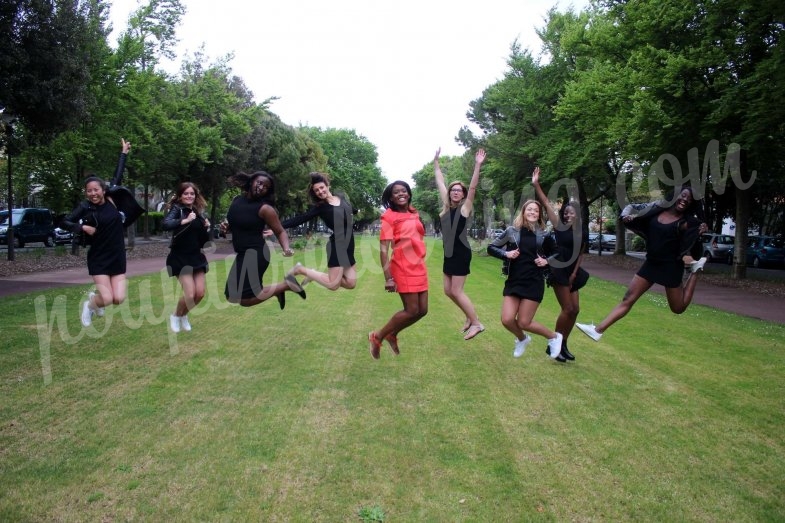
524, 279
253, 256
106, 255
185, 251
663, 264
567, 250
457, 253
339, 218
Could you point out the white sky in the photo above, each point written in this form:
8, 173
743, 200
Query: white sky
401, 73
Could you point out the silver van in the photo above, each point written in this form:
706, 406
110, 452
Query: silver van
716, 247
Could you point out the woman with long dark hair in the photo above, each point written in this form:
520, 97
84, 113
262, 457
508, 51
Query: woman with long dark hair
402, 255
99, 221
337, 214
248, 215
671, 228
186, 261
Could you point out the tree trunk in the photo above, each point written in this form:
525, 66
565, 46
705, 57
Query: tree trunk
743, 198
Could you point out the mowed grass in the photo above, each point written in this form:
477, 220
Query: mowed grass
268, 415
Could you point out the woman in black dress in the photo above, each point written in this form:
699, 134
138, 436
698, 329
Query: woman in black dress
525, 284
248, 215
671, 228
337, 214
100, 221
186, 261
567, 277
457, 205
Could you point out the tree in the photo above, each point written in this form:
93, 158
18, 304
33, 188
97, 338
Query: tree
352, 166
47, 53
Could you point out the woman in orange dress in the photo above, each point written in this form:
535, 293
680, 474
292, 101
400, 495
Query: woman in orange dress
402, 255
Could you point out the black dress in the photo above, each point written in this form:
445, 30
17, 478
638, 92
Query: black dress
525, 280
106, 255
339, 219
185, 251
253, 256
566, 250
662, 265
457, 253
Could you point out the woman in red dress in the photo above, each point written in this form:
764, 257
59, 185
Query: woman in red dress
402, 255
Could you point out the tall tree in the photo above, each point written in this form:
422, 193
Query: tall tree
352, 163
47, 53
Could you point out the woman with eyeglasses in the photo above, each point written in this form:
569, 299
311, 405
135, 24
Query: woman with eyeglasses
457, 205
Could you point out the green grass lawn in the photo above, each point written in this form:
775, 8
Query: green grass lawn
268, 415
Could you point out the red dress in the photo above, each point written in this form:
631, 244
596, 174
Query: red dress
407, 266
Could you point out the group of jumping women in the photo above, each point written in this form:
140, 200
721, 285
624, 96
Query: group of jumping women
532, 254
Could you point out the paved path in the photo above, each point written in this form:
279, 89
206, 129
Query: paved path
739, 301
730, 299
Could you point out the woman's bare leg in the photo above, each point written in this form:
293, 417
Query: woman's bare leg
637, 287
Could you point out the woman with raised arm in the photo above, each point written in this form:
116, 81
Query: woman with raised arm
402, 255
671, 228
567, 276
248, 215
337, 214
99, 221
457, 205
186, 261
524, 287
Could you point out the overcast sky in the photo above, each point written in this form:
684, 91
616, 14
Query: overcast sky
401, 73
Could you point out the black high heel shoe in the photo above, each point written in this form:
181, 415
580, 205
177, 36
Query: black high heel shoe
294, 285
560, 358
566, 352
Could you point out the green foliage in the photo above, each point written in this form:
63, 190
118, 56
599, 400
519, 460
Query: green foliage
371, 514
48, 55
352, 166
154, 219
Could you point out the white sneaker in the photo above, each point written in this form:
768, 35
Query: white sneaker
520, 346
174, 323
589, 330
87, 313
554, 345
698, 265
100, 311
185, 324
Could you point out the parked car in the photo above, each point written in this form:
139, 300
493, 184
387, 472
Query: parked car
62, 236
764, 251
717, 246
608, 242
30, 225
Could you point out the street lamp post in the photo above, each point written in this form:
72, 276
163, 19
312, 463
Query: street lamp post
8, 130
